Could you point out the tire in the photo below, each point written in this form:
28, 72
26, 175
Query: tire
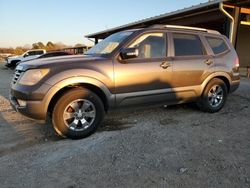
78, 113
214, 96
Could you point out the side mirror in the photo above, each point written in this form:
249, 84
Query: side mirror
129, 53
25, 55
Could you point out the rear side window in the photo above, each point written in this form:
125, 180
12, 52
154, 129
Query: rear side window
218, 45
187, 45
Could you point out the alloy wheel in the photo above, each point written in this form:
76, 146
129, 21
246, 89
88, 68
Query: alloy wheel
79, 115
215, 96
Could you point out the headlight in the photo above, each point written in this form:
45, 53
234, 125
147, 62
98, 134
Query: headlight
31, 77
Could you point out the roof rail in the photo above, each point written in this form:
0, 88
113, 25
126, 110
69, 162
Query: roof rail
186, 28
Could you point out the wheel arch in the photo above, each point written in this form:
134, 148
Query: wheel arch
89, 83
226, 81
220, 75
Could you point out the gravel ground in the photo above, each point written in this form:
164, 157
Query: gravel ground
178, 146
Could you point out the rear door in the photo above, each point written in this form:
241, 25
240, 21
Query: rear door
191, 62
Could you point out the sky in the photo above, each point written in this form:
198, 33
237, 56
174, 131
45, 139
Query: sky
68, 21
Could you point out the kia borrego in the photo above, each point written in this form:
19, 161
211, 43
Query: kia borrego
156, 65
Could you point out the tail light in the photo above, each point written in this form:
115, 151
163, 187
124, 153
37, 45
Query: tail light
237, 62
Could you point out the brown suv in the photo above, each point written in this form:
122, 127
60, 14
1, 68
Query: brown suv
157, 65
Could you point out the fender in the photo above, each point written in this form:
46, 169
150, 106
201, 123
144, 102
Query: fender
77, 80
214, 75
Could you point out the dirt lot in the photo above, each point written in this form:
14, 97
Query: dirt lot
178, 146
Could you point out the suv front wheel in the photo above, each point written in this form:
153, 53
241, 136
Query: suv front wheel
214, 96
78, 113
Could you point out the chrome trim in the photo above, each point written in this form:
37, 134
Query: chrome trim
16, 76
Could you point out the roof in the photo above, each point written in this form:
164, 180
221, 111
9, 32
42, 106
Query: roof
166, 15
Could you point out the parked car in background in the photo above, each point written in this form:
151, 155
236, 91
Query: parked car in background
49, 54
54, 54
158, 65
28, 55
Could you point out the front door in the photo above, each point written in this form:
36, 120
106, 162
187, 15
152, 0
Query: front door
147, 78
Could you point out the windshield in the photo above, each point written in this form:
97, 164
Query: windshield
109, 44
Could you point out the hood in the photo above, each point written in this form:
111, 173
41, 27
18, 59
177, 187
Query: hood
58, 61
14, 57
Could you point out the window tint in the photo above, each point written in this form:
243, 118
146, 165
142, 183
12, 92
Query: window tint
218, 45
153, 45
187, 45
38, 52
31, 53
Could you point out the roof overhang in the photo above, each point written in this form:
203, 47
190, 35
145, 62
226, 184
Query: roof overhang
240, 3
178, 17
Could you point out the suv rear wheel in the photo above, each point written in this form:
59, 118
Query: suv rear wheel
78, 113
214, 96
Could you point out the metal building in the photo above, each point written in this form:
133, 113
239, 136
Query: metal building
230, 17
77, 50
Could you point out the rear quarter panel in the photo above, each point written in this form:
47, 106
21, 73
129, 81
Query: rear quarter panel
225, 62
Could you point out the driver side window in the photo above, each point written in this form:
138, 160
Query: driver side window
151, 45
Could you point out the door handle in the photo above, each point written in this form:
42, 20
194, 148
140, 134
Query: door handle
209, 62
164, 65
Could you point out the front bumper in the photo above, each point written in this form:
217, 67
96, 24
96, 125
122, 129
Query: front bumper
32, 99
32, 109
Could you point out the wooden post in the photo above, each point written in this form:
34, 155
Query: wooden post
96, 40
248, 71
236, 24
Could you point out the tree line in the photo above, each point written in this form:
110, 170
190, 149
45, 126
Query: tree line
39, 45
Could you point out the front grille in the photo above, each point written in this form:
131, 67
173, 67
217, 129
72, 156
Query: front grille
16, 76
